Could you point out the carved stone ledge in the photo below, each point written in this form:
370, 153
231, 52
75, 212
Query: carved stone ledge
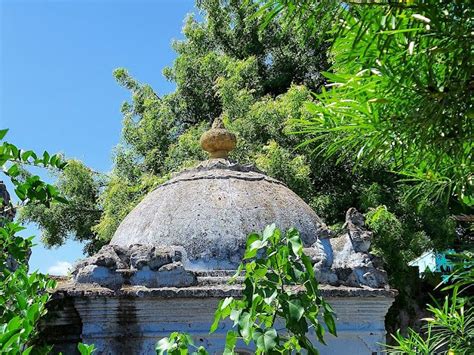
149, 266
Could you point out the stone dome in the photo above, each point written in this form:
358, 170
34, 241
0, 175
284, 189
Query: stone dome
208, 211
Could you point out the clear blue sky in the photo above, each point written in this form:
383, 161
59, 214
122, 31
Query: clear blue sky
57, 92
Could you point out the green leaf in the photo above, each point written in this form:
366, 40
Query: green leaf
13, 171
320, 333
14, 337
33, 312
252, 238
54, 159
14, 323
3, 133
268, 300
15, 152
253, 249
28, 350
230, 342
27, 155
267, 341
61, 199
296, 309
22, 302
250, 251
45, 160
85, 349
295, 242
5, 336
307, 263
330, 323
162, 346
227, 301
201, 351
217, 317
269, 231
245, 326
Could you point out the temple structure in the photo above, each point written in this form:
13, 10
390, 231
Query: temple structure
169, 261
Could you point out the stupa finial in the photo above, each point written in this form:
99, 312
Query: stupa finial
218, 141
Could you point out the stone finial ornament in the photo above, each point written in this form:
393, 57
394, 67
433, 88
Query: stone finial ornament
218, 141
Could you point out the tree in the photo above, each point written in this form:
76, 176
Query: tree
223, 67
399, 95
400, 91
81, 187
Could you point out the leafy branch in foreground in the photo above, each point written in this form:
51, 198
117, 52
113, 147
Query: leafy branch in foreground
85, 349
450, 329
29, 187
23, 296
281, 302
178, 344
81, 187
462, 276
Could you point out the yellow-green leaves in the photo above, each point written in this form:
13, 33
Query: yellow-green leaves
230, 342
85, 349
179, 344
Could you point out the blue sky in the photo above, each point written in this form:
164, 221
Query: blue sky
57, 92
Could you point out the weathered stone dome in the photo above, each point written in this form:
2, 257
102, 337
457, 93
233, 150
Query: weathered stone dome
209, 210
196, 225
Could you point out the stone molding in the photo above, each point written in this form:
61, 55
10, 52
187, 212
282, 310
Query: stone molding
132, 320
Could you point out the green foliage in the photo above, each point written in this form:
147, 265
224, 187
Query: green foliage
281, 300
85, 349
30, 187
260, 81
399, 91
397, 97
81, 187
450, 329
278, 161
178, 344
388, 230
23, 295
408, 231
462, 276
279, 285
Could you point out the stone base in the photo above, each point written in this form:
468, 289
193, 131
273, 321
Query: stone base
131, 320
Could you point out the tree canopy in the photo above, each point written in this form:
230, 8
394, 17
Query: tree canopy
399, 91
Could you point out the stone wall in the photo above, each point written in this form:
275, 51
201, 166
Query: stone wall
132, 321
